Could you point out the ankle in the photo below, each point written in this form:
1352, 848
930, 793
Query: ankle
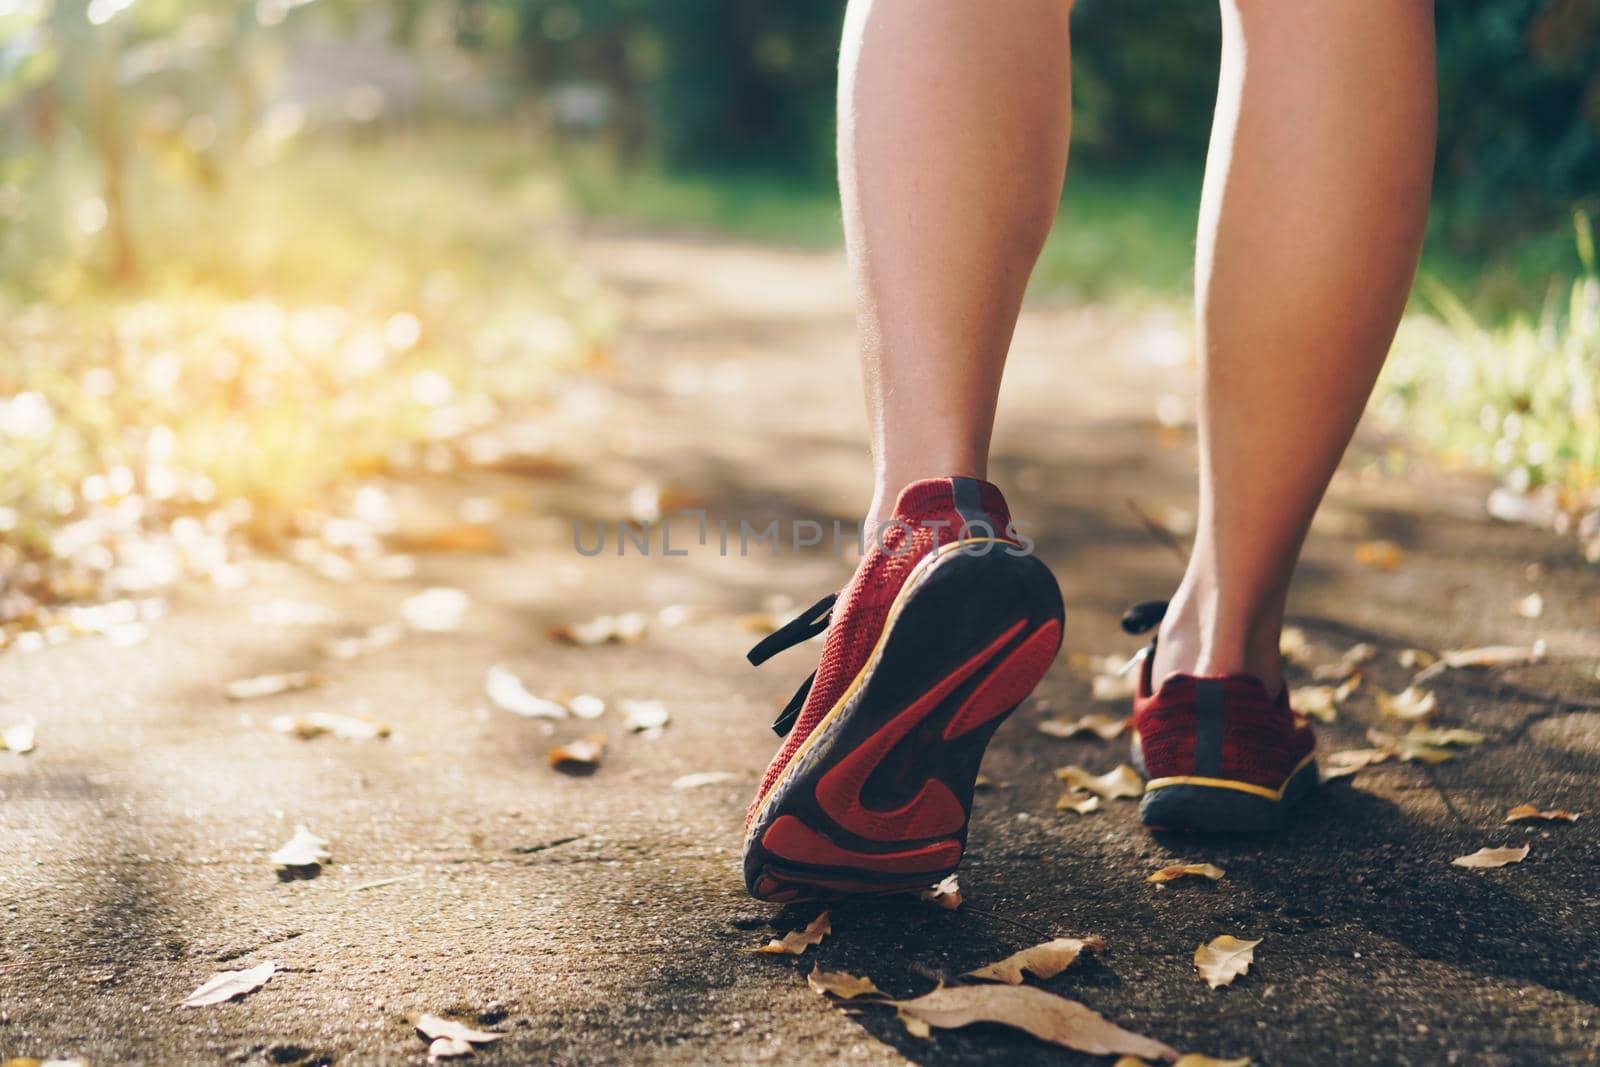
1207, 635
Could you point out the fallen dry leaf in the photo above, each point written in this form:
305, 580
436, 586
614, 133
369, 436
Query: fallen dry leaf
1409, 705
1527, 812
1113, 687
843, 986
1441, 735
1044, 1015
1424, 744
1188, 1059
1081, 803
1043, 961
506, 692
460, 537
225, 985
1184, 870
1347, 664
1415, 658
1344, 764
1347, 688
1317, 701
585, 705
18, 737
947, 894
1224, 959
433, 1027
317, 723
703, 778
436, 610
1530, 606
347, 648
606, 629
795, 942
642, 716
1123, 782
1383, 555
304, 849
268, 685
1487, 656
446, 1048
1105, 727
1486, 858
578, 757
1294, 646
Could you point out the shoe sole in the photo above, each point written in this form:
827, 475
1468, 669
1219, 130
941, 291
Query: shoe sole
1221, 806
878, 798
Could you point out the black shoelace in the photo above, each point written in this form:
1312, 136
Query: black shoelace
798, 630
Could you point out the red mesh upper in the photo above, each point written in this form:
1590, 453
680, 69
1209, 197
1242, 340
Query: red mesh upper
863, 605
1263, 740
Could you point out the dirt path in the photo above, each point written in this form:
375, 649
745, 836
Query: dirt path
601, 919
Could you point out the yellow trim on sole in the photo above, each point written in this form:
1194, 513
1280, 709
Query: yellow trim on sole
1228, 783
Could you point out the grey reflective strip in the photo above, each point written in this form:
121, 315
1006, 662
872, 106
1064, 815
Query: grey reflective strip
969, 504
1208, 731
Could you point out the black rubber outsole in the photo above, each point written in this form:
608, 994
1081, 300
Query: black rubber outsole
1207, 809
960, 604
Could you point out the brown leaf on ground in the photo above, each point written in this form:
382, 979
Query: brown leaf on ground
268, 685
1105, 727
1043, 961
841, 985
1486, 858
464, 537
1530, 606
624, 629
448, 1048
1381, 555
1044, 1015
436, 610
1124, 782
1347, 688
1109, 687
18, 737
347, 648
506, 692
795, 942
1185, 870
304, 849
1527, 812
1081, 803
1317, 701
1487, 656
578, 757
584, 705
1294, 646
947, 894
1347, 664
1188, 1059
225, 985
433, 1028
1344, 764
1409, 705
1424, 744
317, 723
644, 716
1224, 958
702, 778
1415, 658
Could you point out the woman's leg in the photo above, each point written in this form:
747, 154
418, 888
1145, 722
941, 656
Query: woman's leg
953, 122
1315, 195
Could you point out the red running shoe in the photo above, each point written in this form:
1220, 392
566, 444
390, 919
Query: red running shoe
945, 627
1218, 753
